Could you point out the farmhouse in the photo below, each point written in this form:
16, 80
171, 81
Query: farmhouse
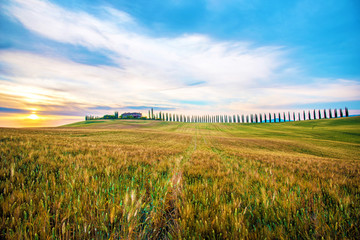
131, 115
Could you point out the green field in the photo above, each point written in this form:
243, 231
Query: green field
137, 179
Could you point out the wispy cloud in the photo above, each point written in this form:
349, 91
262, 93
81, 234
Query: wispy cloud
191, 71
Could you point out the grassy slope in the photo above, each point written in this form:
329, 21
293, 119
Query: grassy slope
151, 179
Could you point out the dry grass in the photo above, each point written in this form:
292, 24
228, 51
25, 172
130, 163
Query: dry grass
164, 180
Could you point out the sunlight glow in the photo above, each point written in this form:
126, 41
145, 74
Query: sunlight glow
33, 116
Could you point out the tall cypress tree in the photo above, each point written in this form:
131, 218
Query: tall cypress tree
152, 113
325, 114
309, 114
261, 118
330, 113
284, 117
304, 115
299, 119
294, 116
279, 117
265, 118
346, 112
274, 117
341, 113
314, 114
319, 112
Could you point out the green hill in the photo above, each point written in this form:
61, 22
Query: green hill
155, 180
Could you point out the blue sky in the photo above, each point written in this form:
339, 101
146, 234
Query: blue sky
71, 58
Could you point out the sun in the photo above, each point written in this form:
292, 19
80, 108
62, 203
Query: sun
33, 116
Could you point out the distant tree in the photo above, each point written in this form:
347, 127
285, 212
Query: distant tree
325, 114
261, 119
299, 119
279, 117
289, 116
116, 115
309, 114
269, 117
330, 113
335, 113
341, 113
274, 118
314, 114
265, 118
294, 116
152, 113
149, 115
304, 115
319, 113
284, 117
346, 112
108, 117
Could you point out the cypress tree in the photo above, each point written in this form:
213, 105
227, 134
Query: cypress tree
284, 117
149, 115
309, 114
319, 112
265, 117
279, 117
335, 113
247, 118
274, 118
294, 116
330, 113
152, 113
341, 113
299, 119
242, 118
269, 117
304, 115
325, 114
261, 118
346, 112
314, 114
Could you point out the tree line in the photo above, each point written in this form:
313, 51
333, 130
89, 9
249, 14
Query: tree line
252, 118
236, 118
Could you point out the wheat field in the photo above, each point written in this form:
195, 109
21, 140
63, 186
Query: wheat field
134, 179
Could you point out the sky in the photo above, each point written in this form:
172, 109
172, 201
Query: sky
63, 59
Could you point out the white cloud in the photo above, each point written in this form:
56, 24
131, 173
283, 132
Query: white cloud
164, 71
